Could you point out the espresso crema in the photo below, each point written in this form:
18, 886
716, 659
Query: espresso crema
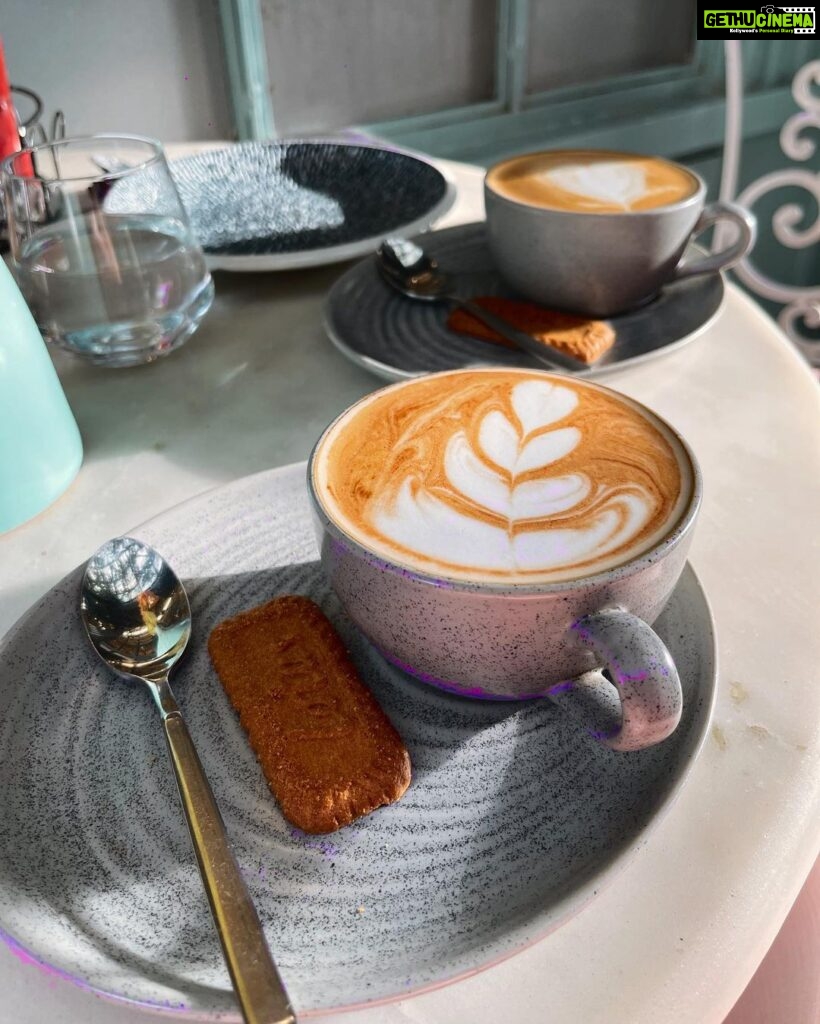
592, 181
502, 475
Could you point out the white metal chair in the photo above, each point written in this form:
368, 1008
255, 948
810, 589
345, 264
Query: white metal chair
800, 305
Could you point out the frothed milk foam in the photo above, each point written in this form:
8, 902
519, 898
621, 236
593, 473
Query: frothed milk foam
592, 181
502, 475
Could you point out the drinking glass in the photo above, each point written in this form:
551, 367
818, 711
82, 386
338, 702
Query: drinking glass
102, 249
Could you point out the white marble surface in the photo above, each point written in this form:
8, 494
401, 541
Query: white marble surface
677, 936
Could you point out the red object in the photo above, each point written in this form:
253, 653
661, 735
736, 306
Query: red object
9, 130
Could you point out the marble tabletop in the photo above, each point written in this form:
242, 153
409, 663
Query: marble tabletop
677, 936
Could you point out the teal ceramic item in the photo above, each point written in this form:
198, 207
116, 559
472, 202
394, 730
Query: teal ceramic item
40, 446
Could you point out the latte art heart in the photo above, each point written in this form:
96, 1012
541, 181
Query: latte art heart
609, 181
500, 474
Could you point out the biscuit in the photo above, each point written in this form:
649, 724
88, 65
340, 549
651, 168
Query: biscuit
585, 339
328, 751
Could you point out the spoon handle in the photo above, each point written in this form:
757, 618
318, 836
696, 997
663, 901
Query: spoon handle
259, 989
543, 353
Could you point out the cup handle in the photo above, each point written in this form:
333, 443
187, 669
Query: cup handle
642, 669
711, 214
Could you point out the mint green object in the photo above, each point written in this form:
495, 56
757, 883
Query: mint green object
40, 446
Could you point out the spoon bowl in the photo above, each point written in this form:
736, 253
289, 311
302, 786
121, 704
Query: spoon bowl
409, 269
135, 610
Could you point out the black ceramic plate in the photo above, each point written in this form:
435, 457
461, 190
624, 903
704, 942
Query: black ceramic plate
395, 337
283, 205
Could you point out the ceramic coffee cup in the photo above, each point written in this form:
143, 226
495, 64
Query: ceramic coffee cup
598, 232
404, 572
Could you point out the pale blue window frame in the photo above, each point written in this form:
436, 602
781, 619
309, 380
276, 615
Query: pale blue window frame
667, 111
248, 77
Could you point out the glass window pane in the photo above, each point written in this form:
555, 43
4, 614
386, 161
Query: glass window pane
155, 67
337, 63
586, 40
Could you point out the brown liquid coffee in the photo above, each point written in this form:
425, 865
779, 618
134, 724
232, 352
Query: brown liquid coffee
592, 181
502, 475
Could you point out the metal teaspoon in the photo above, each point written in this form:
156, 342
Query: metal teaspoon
407, 268
136, 613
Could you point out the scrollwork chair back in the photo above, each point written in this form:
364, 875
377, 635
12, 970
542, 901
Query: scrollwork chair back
800, 305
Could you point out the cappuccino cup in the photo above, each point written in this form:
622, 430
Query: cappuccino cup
599, 232
499, 532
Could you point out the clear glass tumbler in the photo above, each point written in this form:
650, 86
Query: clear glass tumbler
102, 249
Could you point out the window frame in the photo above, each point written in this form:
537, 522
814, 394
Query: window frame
669, 111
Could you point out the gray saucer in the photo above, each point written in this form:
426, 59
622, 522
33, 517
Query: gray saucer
513, 821
396, 338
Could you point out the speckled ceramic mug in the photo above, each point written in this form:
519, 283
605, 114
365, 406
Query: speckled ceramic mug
516, 640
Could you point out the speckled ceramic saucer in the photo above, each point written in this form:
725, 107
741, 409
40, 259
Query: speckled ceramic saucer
397, 338
513, 821
282, 205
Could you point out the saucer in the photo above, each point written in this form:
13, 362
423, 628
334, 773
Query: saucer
283, 205
396, 338
514, 819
